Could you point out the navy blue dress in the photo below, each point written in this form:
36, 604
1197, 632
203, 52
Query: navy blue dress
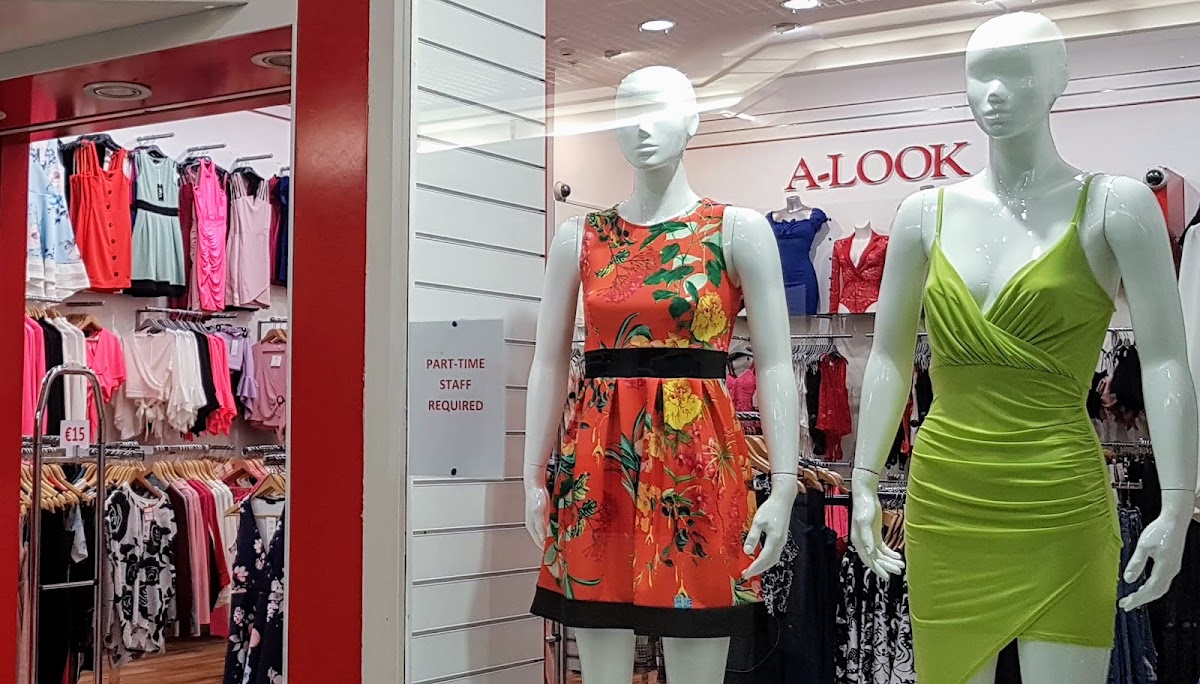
795, 238
255, 653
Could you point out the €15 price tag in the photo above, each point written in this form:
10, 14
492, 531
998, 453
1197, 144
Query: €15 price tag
74, 436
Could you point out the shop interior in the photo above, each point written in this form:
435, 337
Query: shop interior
157, 267
823, 117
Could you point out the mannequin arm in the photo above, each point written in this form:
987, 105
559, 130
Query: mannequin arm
547, 389
835, 283
753, 261
887, 379
1137, 234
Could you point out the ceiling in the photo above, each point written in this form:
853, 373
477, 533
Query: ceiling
27, 23
736, 58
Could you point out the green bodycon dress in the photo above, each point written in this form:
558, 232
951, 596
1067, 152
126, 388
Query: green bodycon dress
1011, 523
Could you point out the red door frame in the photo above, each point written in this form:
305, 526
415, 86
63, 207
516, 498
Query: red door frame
328, 289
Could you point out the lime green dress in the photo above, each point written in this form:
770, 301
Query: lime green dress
1011, 524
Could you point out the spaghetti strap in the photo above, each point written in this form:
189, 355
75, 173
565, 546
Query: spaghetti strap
1081, 205
941, 203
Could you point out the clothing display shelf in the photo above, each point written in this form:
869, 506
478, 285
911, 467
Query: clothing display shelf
34, 556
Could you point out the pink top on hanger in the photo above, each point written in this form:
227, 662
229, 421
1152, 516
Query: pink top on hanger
34, 370
269, 408
742, 389
210, 229
106, 358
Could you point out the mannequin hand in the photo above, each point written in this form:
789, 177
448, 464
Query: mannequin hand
536, 499
772, 520
866, 530
1162, 541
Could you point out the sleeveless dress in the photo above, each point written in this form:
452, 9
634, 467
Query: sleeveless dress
100, 214
795, 238
209, 236
249, 245
1011, 525
158, 269
650, 492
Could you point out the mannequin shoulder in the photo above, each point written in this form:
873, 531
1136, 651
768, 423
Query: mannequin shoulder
568, 237
746, 232
916, 221
1130, 212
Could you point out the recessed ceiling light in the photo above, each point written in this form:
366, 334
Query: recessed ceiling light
274, 59
117, 90
797, 5
657, 25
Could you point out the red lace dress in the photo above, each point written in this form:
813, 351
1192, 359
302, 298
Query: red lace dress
650, 497
856, 286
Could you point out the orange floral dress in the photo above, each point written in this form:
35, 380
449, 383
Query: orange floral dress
650, 492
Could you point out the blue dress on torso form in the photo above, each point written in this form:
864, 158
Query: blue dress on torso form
795, 238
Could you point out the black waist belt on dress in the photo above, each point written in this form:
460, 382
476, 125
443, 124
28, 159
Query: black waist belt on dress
645, 362
143, 205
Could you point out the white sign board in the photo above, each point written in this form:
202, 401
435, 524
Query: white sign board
74, 436
456, 398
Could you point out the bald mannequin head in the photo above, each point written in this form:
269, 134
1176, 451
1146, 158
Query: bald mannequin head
657, 110
1016, 70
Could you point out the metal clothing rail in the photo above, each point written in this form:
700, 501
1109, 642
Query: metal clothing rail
206, 148
807, 336
921, 334
255, 157
142, 140
180, 448
34, 557
264, 449
182, 312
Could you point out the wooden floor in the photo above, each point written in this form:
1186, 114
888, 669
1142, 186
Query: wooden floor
195, 661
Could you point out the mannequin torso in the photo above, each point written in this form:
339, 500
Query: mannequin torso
995, 228
862, 238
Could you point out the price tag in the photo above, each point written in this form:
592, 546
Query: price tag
276, 361
75, 436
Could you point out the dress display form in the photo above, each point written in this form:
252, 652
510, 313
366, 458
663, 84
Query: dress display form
158, 269
1010, 384
855, 286
795, 238
100, 214
652, 501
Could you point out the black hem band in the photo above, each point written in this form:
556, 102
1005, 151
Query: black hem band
685, 623
654, 362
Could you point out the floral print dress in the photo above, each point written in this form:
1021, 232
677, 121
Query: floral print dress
650, 493
255, 654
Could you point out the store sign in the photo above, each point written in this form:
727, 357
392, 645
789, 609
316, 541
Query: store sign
74, 436
456, 398
875, 167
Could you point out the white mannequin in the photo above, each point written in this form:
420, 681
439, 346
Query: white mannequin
1016, 69
862, 237
660, 107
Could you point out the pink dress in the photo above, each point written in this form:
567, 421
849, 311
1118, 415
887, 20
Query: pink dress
249, 246
209, 236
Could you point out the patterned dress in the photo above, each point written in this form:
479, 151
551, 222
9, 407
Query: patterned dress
650, 495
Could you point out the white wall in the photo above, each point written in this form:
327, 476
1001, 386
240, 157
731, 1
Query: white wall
1134, 103
245, 133
478, 220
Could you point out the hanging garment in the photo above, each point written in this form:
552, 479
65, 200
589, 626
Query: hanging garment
855, 286
651, 495
795, 238
1174, 617
256, 635
833, 418
1009, 505
158, 266
249, 245
283, 195
56, 400
267, 410
54, 267
187, 240
106, 358
74, 352
100, 200
875, 639
33, 370
210, 244
1134, 658
141, 573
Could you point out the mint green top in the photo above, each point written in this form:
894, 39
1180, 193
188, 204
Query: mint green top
1011, 526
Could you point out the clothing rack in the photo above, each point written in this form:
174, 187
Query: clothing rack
142, 140
284, 169
256, 157
807, 336
273, 321
264, 449
181, 312
871, 335
34, 555
181, 448
206, 148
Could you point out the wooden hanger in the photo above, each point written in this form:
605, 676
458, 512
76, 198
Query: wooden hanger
275, 335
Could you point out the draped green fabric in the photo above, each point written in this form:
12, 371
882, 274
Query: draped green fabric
1011, 525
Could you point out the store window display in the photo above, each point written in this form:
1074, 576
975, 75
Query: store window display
633, 546
1010, 509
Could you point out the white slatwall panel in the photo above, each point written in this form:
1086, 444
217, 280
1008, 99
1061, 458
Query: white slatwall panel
478, 251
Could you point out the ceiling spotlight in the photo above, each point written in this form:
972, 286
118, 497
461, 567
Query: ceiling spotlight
117, 90
657, 26
797, 5
274, 59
